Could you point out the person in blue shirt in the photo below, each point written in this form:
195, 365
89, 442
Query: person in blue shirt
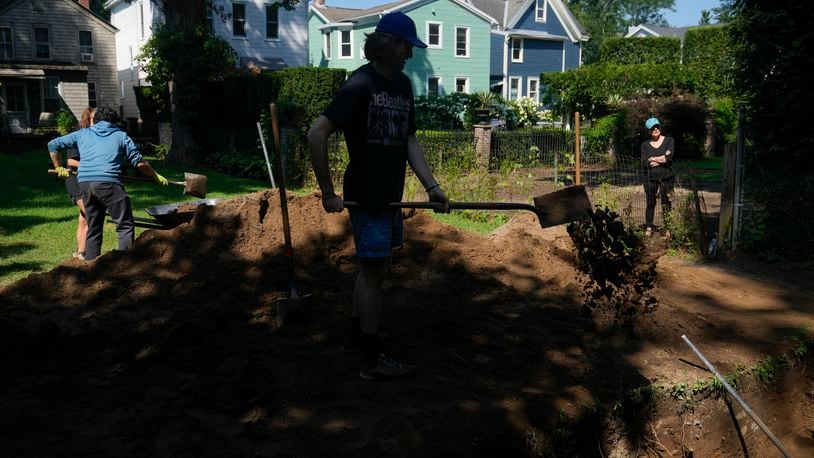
105, 148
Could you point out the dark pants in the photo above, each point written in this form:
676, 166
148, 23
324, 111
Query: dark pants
662, 189
99, 197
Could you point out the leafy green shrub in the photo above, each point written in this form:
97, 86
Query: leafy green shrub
638, 50
444, 112
65, 121
527, 110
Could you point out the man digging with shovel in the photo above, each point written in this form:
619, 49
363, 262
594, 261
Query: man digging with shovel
375, 108
104, 149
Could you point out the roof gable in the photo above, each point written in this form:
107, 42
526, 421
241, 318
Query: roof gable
9, 4
334, 15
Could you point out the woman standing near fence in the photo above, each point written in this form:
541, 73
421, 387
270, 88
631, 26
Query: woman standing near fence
657, 157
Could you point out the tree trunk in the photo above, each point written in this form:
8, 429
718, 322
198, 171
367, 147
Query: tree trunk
183, 143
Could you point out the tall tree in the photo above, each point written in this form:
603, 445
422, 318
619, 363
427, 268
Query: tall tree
609, 18
706, 18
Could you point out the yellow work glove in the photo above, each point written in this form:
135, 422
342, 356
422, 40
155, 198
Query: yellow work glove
63, 172
160, 180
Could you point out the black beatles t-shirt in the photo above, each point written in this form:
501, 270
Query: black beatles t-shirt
377, 115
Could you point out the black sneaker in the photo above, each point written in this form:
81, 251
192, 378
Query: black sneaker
386, 367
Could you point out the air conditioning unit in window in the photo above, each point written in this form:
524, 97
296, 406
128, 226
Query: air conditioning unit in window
87, 57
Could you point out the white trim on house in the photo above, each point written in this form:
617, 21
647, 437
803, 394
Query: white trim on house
439, 82
516, 44
530, 80
342, 44
440, 25
467, 89
519, 94
468, 39
537, 18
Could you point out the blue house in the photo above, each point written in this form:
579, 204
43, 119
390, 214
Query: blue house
531, 37
457, 35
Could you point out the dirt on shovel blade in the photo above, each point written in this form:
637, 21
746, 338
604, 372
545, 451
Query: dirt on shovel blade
172, 348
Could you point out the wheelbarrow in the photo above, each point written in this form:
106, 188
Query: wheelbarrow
168, 216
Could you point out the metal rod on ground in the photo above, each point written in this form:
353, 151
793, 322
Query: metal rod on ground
734, 394
266, 153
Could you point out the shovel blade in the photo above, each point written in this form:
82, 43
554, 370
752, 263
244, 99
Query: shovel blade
194, 185
563, 206
294, 310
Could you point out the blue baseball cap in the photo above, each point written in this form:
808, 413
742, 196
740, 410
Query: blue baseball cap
400, 25
652, 122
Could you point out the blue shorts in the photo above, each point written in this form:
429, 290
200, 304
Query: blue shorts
376, 233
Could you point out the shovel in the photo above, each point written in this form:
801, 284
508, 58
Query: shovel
295, 308
194, 184
552, 209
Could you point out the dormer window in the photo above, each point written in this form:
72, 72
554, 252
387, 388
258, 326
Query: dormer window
540, 10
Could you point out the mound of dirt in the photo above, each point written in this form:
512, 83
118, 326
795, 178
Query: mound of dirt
172, 348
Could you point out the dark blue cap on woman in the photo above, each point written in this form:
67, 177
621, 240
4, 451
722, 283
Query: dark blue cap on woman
400, 25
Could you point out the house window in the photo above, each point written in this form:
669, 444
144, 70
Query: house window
328, 46
517, 49
239, 19
142, 29
15, 98
209, 19
514, 88
462, 84
42, 42
433, 86
6, 48
272, 22
85, 46
50, 94
433, 34
533, 90
91, 94
345, 44
541, 10
461, 41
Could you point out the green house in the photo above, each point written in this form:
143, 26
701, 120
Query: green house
457, 58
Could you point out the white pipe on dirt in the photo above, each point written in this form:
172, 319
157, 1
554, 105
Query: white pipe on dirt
266, 154
734, 394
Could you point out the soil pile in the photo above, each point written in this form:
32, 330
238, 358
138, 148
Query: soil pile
172, 349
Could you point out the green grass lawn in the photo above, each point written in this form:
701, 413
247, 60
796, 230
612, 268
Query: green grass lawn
709, 169
38, 219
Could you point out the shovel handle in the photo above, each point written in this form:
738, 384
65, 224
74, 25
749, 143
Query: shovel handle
133, 178
454, 205
130, 178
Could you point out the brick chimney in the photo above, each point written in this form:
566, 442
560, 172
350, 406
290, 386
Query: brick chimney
319, 3
85, 3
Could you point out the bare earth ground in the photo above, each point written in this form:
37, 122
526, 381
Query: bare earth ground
172, 349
